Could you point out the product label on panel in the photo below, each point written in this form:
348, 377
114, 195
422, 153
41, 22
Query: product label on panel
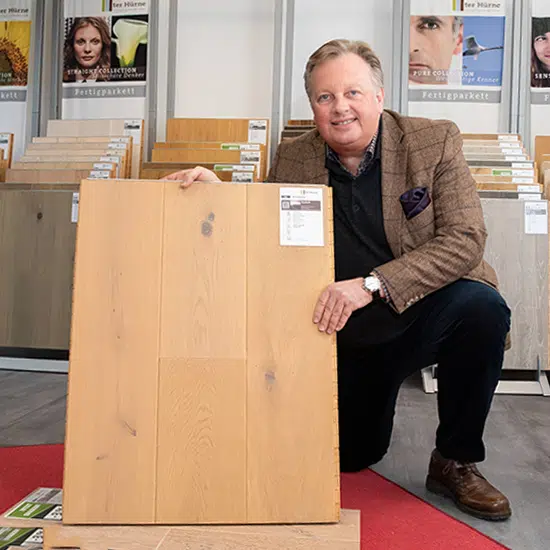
105, 56
257, 131
536, 218
24, 537
456, 57
74, 210
301, 217
242, 177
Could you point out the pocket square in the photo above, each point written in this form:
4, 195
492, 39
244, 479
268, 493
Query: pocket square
415, 201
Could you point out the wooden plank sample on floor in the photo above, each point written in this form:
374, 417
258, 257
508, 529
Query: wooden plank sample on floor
37, 240
344, 535
240, 404
111, 444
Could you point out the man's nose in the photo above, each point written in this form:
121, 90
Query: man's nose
341, 104
414, 45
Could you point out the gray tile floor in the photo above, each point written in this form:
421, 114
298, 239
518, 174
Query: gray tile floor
32, 411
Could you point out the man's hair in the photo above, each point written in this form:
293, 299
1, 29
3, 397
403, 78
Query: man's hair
337, 48
458, 21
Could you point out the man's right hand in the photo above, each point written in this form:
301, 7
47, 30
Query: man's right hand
187, 177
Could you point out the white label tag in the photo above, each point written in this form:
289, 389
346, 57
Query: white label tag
522, 180
116, 160
4, 140
508, 138
233, 168
102, 166
301, 216
132, 127
242, 177
536, 218
74, 210
523, 165
250, 156
528, 189
99, 175
515, 145
120, 140
257, 131
516, 157
240, 147
116, 145
514, 152
529, 196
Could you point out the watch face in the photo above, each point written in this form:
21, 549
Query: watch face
372, 284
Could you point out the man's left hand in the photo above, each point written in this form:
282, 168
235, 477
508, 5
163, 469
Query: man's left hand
337, 302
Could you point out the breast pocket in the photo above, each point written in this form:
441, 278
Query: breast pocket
418, 230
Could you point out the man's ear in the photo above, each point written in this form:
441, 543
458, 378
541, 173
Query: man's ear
459, 41
380, 94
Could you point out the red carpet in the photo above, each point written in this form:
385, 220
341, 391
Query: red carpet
391, 518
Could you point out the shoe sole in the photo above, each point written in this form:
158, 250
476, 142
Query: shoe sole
439, 489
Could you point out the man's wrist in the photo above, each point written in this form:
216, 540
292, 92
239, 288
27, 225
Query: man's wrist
373, 286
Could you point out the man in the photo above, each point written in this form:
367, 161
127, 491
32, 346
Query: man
411, 287
434, 40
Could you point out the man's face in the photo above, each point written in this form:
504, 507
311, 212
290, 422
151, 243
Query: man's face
432, 46
87, 46
542, 49
346, 104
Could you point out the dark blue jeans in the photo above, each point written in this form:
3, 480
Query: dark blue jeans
461, 327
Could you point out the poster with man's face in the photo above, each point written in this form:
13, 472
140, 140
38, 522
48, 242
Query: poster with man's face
457, 50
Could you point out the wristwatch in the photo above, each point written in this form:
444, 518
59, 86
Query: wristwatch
372, 285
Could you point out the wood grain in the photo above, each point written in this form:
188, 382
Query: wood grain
203, 356
111, 443
210, 129
37, 240
99, 128
344, 535
291, 373
521, 263
18, 175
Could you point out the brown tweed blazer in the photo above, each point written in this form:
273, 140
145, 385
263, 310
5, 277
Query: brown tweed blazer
443, 243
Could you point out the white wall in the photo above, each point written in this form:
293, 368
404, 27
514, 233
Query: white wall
317, 21
224, 58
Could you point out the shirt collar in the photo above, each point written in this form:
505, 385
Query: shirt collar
372, 152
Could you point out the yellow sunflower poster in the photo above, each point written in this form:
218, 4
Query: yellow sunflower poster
15, 41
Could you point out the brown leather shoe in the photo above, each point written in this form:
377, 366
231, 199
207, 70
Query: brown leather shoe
471, 492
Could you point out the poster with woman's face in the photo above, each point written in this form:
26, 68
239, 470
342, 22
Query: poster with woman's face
540, 52
105, 49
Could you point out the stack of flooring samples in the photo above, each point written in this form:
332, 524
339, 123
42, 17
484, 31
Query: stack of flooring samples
235, 149
38, 214
295, 128
500, 166
104, 128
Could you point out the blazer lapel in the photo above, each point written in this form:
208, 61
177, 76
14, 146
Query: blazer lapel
394, 180
315, 171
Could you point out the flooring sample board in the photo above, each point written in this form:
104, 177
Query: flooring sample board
200, 391
17, 175
209, 156
521, 262
218, 129
106, 127
239, 173
492, 137
344, 535
37, 239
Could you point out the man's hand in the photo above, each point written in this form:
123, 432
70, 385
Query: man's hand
337, 302
187, 177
